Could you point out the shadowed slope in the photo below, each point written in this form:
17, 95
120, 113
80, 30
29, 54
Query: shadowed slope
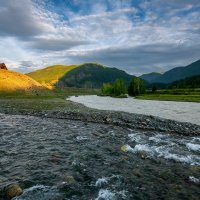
150, 77
92, 75
179, 73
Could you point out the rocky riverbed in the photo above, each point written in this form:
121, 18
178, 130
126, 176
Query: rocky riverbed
76, 111
81, 153
69, 159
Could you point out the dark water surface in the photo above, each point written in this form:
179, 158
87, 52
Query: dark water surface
63, 159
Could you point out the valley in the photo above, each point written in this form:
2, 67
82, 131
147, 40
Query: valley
99, 100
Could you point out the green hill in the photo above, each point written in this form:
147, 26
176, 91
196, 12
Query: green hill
191, 82
49, 76
88, 75
179, 73
150, 77
92, 75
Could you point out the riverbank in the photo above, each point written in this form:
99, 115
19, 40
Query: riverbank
180, 95
178, 111
49, 158
62, 109
51, 148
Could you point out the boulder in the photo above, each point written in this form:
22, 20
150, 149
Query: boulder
11, 191
3, 66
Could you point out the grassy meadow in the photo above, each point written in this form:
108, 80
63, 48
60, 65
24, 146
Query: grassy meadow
11, 81
49, 76
45, 100
189, 95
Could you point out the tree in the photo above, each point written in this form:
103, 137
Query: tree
136, 87
119, 88
116, 89
154, 89
107, 89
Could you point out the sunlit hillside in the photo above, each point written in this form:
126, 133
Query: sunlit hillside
87, 75
49, 76
13, 81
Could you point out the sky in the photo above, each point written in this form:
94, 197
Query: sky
138, 36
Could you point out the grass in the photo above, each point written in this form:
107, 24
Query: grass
44, 94
70, 91
35, 104
50, 75
55, 100
49, 100
12, 81
168, 97
188, 95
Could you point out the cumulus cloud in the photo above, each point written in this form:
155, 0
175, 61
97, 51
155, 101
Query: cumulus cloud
136, 36
20, 19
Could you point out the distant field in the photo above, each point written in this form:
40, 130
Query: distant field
190, 95
50, 75
166, 97
190, 91
48, 94
49, 100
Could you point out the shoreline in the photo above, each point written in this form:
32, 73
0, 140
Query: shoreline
79, 147
122, 119
178, 111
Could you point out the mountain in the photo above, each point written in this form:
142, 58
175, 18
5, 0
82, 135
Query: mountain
190, 82
179, 73
92, 75
150, 77
49, 76
11, 81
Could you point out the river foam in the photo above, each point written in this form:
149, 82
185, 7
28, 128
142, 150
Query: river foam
165, 146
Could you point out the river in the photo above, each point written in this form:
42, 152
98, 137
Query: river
54, 159
179, 111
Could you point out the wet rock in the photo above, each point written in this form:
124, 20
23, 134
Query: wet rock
108, 120
56, 159
12, 190
70, 189
124, 148
166, 175
144, 123
125, 158
38, 192
195, 169
69, 179
143, 156
137, 173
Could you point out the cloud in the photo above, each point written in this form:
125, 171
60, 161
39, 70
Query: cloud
18, 18
136, 36
55, 44
141, 59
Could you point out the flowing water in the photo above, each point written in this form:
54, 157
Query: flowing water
63, 159
179, 111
